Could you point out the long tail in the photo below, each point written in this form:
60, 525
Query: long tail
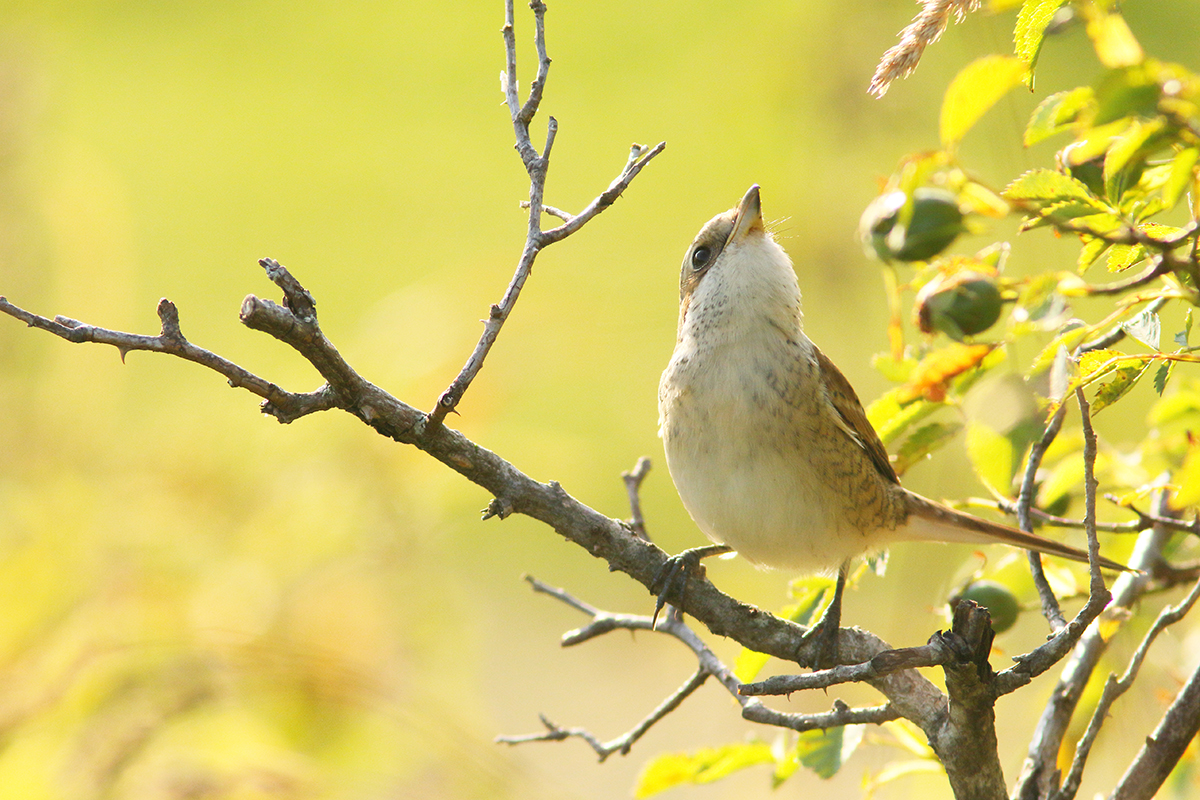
935, 522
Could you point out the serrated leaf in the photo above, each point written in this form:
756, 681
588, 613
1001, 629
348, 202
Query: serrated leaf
703, 766
1057, 113
1183, 172
1032, 20
973, 91
1123, 256
1097, 363
1068, 339
1125, 378
1145, 327
922, 442
1162, 376
1046, 186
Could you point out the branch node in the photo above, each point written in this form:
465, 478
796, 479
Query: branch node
296, 298
499, 507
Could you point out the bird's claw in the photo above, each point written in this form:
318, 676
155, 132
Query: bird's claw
672, 577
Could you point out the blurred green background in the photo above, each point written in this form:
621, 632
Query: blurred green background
199, 602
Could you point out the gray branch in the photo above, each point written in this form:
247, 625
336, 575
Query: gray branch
537, 165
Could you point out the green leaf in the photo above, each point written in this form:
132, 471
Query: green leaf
1090, 253
1145, 327
1123, 256
1068, 339
924, 441
895, 371
1126, 157
1183, 338
823, 752
704, 766
1126, 377
1179, 405
1096, 363
1046, 186
1032, 20
1057, 113
1183, 173
1128, 92
1162, 376
993, 457
890, 418
973, 91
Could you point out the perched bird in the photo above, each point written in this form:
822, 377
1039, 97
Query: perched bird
766, 441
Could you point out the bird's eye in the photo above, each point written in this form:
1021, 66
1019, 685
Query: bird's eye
700, 257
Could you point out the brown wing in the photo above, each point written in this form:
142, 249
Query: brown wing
853, 417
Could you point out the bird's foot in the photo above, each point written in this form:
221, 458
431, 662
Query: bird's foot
821, 641
672, 578
822, 637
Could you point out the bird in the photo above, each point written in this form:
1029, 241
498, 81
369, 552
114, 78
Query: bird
766, 441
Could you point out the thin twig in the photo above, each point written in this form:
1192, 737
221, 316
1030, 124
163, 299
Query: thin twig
283, 405
1096, 585
709, 665
633, 485
536, 166
1115, 687
1038, 772
623, 743
1050, 607
1118, 332
1009, 507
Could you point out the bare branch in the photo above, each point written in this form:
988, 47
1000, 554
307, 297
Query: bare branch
1050, 607
624, 743
709, 665
537, 167
1164, 748
633, 484
1115, 687
283, 405
1038, 773
932, 654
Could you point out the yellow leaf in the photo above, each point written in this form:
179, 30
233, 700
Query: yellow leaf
1188, 479
973, 91
931, 375
704, 766
1115, 44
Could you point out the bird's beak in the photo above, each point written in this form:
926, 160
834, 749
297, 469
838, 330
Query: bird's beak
749, 216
